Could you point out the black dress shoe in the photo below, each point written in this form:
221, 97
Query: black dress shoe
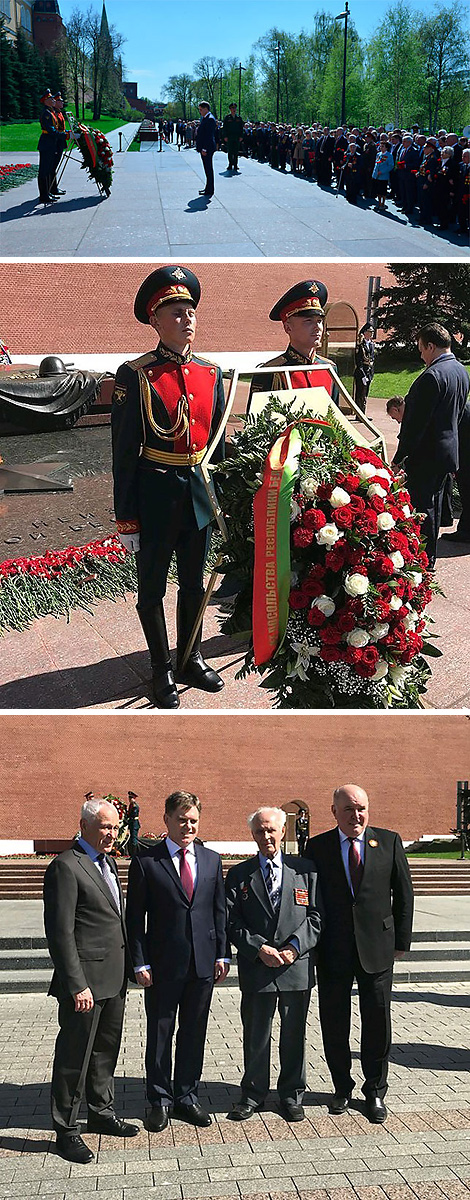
243, 1111
339, 1104
157, 1119
199, 674
291, 1111
112, 1126
73, 1149
165, 694
375, 1110
194, 1114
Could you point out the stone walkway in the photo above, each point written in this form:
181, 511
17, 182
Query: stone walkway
155, 209
422, 1153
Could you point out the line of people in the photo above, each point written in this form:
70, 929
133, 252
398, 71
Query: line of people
342, 913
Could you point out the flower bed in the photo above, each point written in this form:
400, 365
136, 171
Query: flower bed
97, 156
351, 630
13, 174
64, 579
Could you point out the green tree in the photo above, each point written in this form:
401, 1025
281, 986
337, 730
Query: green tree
442, 36
179, 89
425, 292
395, 68
329, 109
208, 72
9, 84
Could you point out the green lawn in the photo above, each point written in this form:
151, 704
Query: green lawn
420, 855
22, 138
396, 382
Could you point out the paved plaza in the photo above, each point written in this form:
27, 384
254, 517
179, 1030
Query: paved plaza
155, 209
422, 1153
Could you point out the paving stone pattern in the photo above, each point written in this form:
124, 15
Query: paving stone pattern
422, 1153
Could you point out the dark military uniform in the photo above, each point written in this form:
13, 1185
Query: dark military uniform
166, 409
232, 131
426, 183
47, 146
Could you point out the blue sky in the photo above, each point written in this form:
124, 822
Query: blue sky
166, 37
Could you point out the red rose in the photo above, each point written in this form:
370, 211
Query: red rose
314, 519
324, 491
368, 662
312, 587
357, 504
353, 655
345, 620
367, 523
330, 634
302, 537
344, 517
298, 599
377, 503
336, 557
330, 654
315, 617
382, 565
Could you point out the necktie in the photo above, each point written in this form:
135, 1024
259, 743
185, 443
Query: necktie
274, 892
356, 869
109, 878
186, 875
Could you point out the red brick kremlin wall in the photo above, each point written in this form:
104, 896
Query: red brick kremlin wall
409, 764
87, 308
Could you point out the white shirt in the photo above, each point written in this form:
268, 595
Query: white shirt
345, 843
175, 851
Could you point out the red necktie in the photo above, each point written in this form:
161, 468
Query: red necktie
186, 875
356, 869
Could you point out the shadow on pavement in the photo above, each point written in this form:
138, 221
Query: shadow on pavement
451, 1001
26, 209
432, 1058
198, 204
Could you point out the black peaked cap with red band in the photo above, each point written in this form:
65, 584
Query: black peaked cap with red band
309, 295
164, 286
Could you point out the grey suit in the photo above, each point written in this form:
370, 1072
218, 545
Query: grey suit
87, 943
253, 923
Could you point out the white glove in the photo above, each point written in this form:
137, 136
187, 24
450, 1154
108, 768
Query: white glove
131, 542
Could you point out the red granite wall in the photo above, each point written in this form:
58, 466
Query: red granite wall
87, 308
409, 764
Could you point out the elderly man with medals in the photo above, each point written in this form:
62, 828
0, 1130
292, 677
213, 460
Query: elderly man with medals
167, 405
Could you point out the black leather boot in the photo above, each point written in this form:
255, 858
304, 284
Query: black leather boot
196, 673
165, 694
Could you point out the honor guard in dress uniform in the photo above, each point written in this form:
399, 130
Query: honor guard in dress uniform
47, 146
61, 141
166, 408
301, 311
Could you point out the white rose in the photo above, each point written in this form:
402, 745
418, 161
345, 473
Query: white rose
366, 471
415, 578
325, 604
397, 560
339, 497
358, 638
376, 489
384, 474
406, 510
381, 670
380, 630
385, 521
328, 535
295, 510
398, 674
356, 585
395, 603
309, 487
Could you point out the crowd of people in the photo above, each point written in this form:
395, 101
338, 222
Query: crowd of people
426, 177
340, 913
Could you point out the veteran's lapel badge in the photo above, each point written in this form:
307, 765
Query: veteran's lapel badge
244, 891
373, 842
120, 395
301, 896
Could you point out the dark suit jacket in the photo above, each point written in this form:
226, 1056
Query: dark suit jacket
206, 134
164, 928
428, 437
252, 924
379, 920
85, 932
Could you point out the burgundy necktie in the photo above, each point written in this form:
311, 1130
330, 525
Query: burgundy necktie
356, 869
186, 875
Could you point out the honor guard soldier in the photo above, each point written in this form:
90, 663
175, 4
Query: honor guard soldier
61, 141
232, 133
166, 408
301, 311
47, 146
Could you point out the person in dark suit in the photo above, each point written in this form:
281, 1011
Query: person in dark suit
166, 408
462, 533
367, 898
428, 442
232, 133
84, 923
274, 923
176, 924
206, 143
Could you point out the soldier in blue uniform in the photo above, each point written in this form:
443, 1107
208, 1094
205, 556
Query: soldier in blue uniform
167, 405
47, 146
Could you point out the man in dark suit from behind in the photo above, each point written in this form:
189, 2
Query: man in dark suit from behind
177, 937
428, 442
84, 922
206, 144
367, 898
274, 923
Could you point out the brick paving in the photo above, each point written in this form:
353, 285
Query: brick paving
422, 1153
